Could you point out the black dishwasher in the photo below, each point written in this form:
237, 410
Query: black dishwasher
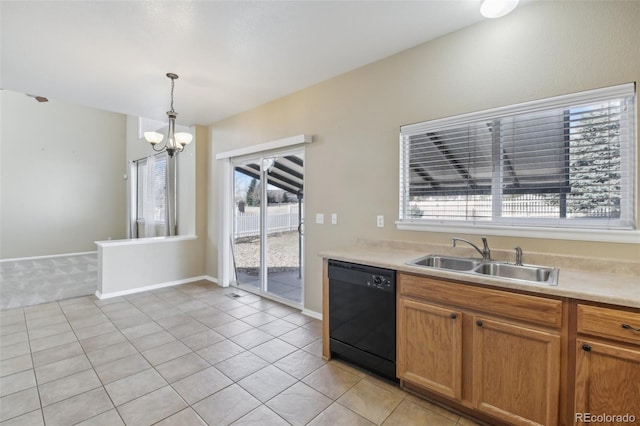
362, 316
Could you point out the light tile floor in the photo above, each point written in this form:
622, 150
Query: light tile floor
285, 284
187, 355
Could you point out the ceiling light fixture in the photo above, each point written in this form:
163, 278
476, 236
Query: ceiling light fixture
497, 8
175, 142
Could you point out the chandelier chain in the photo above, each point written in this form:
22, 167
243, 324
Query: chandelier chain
172, 84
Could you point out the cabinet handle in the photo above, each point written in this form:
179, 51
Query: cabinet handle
586, 348
453, 316
629, 327
479, 323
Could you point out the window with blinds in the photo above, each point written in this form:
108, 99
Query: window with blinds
567, 161
151, 195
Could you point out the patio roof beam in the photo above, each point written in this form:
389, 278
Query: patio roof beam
453, 161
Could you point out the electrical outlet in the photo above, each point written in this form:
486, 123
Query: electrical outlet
320, 218
380, 221
334, 218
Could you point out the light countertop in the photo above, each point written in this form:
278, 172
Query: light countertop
596, 280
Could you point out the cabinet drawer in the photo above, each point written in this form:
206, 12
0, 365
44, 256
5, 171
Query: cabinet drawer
609, 323
537, 310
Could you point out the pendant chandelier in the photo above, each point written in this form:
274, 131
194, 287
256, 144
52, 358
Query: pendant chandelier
175, 142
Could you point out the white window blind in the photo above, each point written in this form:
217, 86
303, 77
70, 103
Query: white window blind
566, 161
151, 196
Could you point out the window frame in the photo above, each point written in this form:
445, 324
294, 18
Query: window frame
575, 229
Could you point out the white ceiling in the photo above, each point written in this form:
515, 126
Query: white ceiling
231, 56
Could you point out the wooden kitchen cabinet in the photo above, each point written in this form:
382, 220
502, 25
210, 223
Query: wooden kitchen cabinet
431, 351
607, 379
495, 352
516, 372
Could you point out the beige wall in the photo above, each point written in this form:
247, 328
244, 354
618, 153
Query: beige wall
62, 177
543, 49
201, 190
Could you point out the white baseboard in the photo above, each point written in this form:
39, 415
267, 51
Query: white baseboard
102, 296
312, 314
209, 278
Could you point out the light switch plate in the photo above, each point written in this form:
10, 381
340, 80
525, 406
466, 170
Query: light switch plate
320, 218
334, 218
380, 221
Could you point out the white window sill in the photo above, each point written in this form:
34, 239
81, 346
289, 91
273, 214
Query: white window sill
600, 235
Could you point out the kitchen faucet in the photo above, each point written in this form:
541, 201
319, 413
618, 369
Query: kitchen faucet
518, 256
485, 252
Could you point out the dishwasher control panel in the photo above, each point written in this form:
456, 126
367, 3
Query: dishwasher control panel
370, 277
380, 282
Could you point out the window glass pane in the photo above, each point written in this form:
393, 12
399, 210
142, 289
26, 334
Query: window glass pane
450, 173
533, 159
595, 162
457, 207
160, 189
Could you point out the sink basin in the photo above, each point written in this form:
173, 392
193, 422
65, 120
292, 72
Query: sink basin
524, 272
446, 262
529, 273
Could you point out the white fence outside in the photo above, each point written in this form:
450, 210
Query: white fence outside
479, 207
248, 224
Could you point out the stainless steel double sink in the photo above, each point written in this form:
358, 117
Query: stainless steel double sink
510, 271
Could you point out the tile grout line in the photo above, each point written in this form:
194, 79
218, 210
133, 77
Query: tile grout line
33, 366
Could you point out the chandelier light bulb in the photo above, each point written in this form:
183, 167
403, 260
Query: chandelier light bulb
153, 137
184, 138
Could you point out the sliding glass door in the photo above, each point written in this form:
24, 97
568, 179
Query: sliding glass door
247, 231
267, 238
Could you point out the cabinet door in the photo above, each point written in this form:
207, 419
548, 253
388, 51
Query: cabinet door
607, 381
430, 347
516, 372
